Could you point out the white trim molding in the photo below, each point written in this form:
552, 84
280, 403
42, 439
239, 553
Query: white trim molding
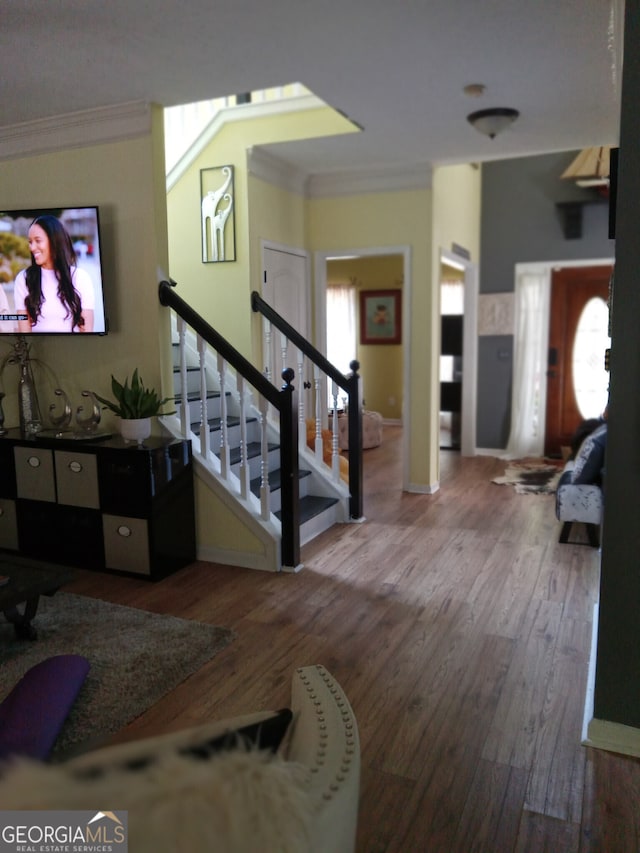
613, 737
263, 165
75, 130
603, 734
391, 179
421, 489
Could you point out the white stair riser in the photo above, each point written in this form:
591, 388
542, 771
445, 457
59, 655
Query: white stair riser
193, 382
195, 409
233, 435
273, 462
276, 495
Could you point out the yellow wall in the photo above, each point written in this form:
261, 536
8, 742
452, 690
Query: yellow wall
221, 291
394, 219
456, 219
276, 216
126, 180
380, 364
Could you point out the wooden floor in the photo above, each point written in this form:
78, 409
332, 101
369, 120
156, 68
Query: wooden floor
460, 630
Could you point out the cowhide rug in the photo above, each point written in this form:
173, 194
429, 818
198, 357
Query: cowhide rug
532, 477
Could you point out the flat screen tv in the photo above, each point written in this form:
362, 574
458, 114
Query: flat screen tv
51, 279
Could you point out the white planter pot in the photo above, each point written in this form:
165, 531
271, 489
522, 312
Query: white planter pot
135, 429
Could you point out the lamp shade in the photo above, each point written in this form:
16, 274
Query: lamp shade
492, 121
590, 168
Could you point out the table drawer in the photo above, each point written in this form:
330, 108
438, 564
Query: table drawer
77, 479
126, 544
34, 474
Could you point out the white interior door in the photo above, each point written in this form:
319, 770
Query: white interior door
285, 287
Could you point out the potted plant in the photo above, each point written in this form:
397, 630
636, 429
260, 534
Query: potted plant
135, 405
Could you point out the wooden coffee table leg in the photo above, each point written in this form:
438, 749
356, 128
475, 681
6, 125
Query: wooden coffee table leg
22, 621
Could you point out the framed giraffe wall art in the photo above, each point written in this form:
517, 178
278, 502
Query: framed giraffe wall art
217, 214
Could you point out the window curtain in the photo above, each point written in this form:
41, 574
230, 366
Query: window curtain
529, 386
341, 327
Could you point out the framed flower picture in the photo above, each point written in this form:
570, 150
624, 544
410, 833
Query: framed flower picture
380, 316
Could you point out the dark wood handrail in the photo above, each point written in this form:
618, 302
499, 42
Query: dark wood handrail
351, 384
259, 305
285, 401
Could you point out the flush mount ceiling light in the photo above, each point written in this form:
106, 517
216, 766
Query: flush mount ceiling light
492, 121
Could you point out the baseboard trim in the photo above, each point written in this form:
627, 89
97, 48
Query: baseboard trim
239, 559
603, 734
422, 489
613, 737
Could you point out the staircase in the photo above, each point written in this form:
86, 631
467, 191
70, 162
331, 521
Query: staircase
249, 439
320, 504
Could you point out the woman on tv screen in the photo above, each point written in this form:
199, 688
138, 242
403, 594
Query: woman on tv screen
53, 294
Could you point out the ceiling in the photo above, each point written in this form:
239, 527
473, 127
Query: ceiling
396, 69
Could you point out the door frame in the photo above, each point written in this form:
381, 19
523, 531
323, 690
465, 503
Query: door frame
546, 268
469, 349
320, 272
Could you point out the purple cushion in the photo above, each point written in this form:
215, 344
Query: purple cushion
33, 713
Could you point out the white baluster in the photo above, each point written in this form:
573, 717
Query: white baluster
225, 454
317, 384
245, 473
335, 454
185, 426
204, 413
284, 346
265, 492
268, 369
302, 422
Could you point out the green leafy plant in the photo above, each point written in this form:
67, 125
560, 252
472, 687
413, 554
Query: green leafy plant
134, 400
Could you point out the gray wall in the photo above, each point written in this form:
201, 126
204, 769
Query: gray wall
520, 224
617, 688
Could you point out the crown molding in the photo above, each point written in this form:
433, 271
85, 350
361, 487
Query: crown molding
265, 166
278, 172
75, 130
394, 179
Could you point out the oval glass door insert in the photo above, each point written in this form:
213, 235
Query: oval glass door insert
590, 379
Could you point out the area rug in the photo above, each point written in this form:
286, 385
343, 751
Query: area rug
136, 658
536, 477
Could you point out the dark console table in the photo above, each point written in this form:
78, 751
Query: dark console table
101, 504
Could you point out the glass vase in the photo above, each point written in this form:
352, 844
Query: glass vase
30, 417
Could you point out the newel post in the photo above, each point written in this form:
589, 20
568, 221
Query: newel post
355, 442
289, 469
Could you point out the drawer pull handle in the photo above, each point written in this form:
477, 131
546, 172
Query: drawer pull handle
33, 461
1, 511
125, 531
75, 466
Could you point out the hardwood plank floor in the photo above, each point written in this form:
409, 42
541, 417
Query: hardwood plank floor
459, 628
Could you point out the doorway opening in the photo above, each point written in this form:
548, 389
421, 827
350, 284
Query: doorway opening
384, 368
458, 353
543, 363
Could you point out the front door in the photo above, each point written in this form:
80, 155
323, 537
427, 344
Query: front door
576, 384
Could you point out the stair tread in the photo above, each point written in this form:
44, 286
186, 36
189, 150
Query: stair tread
215, 423
193, 396
275, 481
253, 449
310, 506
